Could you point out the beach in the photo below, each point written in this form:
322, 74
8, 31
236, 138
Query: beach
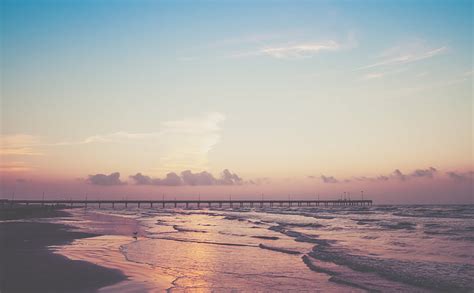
28, 265
236, 146
352, 249
41, 252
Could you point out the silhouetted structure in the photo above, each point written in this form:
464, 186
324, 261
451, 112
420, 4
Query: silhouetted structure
188, 203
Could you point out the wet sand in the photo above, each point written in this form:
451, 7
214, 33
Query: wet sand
27, 264
105, 251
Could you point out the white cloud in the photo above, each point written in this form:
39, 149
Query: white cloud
373, 75
289, 45
301, 50
380, 74
407, 53
189, 141
19, 144
178, 144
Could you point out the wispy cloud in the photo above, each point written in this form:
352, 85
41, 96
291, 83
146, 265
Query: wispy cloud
406, 53
302, 50
373, 75
399, 175
260, 181
291, 51
182, 143
297, 49
428, 173
461, 176
198, 126
14, 167
380, 74
177, 144
19, 145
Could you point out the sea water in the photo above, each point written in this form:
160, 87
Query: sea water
306, 249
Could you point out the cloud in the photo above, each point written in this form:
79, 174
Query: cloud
141, 179
427, 173
381, 74
202, 178
175, 145
461, 177
105, 180
399, 175
171, 179
406, 53
179, 144
418, 173
300, 50
373, 75
329, 179
14, 167
19, 145
228, 178
206, 178
380, 178
189, 178
259, 181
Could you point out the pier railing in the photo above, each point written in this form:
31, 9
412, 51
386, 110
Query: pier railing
188, 203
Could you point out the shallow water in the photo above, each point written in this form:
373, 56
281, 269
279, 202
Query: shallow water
379, 248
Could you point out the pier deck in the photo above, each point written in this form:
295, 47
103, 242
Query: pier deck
188, 203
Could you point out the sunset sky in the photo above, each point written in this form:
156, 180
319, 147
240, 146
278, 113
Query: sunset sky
300, 98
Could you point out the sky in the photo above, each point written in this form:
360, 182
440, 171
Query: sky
299, 99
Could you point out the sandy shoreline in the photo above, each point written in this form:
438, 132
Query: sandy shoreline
81, 253
105, 251
29, 265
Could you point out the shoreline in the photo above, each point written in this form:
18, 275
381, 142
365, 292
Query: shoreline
29, 264
105, 250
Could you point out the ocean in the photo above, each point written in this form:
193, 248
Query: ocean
396, 248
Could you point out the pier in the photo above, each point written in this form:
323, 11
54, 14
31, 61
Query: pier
188, 203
